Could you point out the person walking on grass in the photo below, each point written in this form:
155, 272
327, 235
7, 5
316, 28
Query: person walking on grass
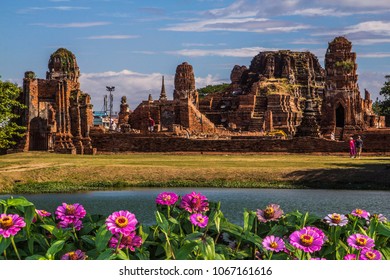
359, 146
352, 147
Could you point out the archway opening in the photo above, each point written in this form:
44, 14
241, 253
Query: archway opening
38, 135
340, 116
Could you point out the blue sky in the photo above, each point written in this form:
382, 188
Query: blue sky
131, 44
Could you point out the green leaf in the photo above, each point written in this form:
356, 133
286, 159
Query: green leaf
49, 228
29, 213
4, 243
207, 248
20, 201
184, 253
385, 253
383, 230
121, 255
54, 249
162, 222
102, 238
88, 239
41, 240
108, 254
36, 257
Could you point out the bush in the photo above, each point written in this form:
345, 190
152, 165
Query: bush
190, 228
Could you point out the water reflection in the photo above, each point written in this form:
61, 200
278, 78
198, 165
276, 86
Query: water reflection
141, 201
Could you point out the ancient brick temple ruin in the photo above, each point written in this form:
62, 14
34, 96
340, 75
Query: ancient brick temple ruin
58, 115
280, 91
180, 114
344, 111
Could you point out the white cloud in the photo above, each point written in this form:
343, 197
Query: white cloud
374, 27
372, 81
371, 41
57, 8
135, 86
240, 52
359, 3
258, 25
112, 37
73, 24
374, 55
312, 12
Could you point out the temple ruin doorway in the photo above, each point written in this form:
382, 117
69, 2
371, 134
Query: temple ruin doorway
340, 116
38, 135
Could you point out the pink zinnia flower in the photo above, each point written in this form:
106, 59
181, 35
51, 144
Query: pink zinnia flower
380, 217
273, 243
42, 213
336, 220
194, 203
70, 213
10, 224
77, 225
199, 220
370, 254
74, 255
130, 241
121, 222
360, 213
167, 198
360, 241
307, 239
350, 257
271, 213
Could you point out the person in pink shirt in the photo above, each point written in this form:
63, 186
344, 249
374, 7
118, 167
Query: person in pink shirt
352, 148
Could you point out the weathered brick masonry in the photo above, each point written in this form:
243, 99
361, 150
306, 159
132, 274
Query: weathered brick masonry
122, 142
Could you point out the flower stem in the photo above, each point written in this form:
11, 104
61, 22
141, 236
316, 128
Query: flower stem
14, 245
119, 242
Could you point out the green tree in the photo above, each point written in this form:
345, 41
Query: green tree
9, 129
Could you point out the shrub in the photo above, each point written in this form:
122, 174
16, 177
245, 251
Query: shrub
190, 228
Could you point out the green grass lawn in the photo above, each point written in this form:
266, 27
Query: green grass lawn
47, 172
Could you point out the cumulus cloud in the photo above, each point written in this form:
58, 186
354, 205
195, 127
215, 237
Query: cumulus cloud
134, 85
372, 81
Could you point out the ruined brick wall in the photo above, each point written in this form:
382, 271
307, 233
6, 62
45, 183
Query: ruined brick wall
58, 114
116, 142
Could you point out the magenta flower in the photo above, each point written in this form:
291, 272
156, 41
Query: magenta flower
350, 257
380, 217
194, 203
74, 255
199, 220
42, 213
336, 220
271, 213
273, 243
10, 224
70, 213
307, 239
370, 254
360, 241
77, 225
167, 198
317, 259
130, 241
360, 213
121, 222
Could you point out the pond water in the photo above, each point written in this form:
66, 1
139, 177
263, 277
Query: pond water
141, 201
